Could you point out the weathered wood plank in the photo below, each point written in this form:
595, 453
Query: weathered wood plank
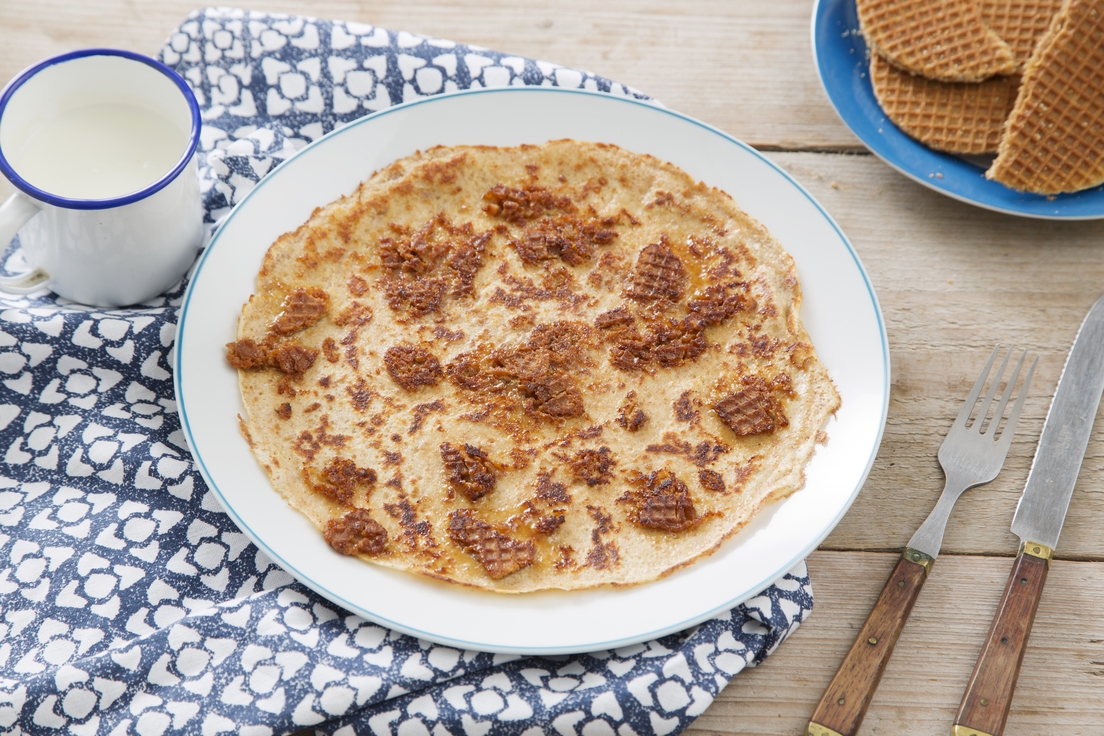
1061, 680
744, 66
952, 281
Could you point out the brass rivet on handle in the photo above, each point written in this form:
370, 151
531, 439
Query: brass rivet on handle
872, 640
900, 583
841, 701
1036, 550
985, 701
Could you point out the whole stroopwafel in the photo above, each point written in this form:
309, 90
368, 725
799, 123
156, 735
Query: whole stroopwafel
1054, 138
938, 39
1019, 23
957, 117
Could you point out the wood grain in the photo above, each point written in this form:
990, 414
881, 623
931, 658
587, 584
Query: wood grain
923, 683
744, 66
952, 281
844, 703
988, 695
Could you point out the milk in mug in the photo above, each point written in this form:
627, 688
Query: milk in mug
100, 151
100, 145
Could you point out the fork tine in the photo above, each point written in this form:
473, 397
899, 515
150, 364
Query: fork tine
1010, 426
999, 412
968, 407
984, 411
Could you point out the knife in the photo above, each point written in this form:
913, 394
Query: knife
1038, 522
970, 457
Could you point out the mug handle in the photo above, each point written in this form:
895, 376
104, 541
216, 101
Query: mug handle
14, 214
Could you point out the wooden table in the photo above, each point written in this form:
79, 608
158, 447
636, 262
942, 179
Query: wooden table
952, 280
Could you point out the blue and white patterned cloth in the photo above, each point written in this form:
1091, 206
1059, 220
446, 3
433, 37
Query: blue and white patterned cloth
130, 603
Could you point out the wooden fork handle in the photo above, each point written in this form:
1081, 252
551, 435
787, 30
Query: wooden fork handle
985, 705
842, 707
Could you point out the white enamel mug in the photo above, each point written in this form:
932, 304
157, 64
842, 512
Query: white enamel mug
101, 145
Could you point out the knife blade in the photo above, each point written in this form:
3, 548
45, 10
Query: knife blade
1038, 522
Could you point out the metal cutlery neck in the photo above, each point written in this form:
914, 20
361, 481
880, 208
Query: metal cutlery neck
929, 537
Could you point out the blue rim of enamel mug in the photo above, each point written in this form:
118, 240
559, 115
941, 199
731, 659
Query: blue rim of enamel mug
101, 204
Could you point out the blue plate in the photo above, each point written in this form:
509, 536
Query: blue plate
842, 63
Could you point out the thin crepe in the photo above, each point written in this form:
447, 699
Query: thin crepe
557, 366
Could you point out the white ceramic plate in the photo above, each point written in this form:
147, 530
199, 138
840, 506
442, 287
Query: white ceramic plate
840, 312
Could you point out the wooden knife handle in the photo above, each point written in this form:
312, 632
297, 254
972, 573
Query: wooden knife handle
843, 705
985, 705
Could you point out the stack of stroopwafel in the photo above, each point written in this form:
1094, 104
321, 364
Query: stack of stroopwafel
948, 73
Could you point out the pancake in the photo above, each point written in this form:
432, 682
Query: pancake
544, 367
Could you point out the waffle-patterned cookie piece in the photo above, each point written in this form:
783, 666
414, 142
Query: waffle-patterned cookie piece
957, 117
964, 117
499, 553
1019, 23
1054, 138
939, 39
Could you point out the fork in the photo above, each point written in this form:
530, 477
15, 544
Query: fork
971, 455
